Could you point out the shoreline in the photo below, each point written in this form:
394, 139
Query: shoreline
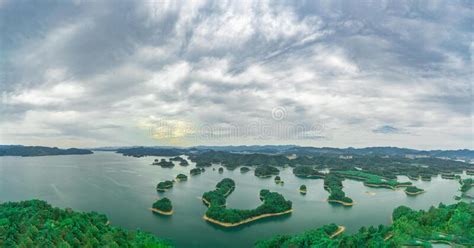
226, 224
347, 204
155, 210
340, 229
414, 193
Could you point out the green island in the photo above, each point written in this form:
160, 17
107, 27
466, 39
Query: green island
307, 172
195, 171
181, 177
372, 180
274, 204
163, 163
333, 184
303, 189
452, 225
277, 179
164, 186
413, 190
470, 172
466, 184
221, 170
35, 223
426, 178
244, 169
182, 161
163, 206
266, 171
448, 176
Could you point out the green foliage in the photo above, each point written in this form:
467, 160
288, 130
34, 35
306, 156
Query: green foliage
413, 189
453, 224
244, 169
266, 171
272, 203
466, 184
182, 177
35, 223
307, 172
195, 171
163, 163
164, 204
163, 186
303, 187
333, 184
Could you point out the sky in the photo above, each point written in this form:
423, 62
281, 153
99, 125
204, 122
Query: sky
171, 73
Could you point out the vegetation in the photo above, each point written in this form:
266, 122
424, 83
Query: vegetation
221, 170
35, 223
181, 177
307, 172
182, 161
234, 160
195, 171
466, 184
244, 169
277, 179
150, 151
163, 163
273, 203
448, 176
372, 180
303, 189
452, 224
163, 206
28, 151
333, 184
470, 172
266, 171
163, 186
218, 196
413, 190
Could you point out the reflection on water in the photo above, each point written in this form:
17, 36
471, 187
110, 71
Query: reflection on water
124, 189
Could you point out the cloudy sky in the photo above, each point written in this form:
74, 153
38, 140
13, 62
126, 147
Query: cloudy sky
317, 73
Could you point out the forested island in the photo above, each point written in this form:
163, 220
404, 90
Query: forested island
307, 172
195, 171
31, 151
244, 169
163, 163
181, 177
182, 161
413, 190
333, 184
266, 171
303, 189
452, 225
164, 186
372, 180
35, 223
274, 204
163, 207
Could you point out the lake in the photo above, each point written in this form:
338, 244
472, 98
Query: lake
123, 188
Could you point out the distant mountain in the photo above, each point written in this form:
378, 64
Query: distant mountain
29, 151
464, 154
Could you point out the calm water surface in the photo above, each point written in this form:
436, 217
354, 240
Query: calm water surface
123, 188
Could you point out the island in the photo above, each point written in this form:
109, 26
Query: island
277, 179
221, 170
466, 184
30, 151
470, 172
244, 169
372, 180
333, 184
303, 189
448, 176
273, 204
164, 186
182, 161
266, 171
308, 172
413, 190
36, 223
426, 178
181, 177
162, 206
195, 171
163, 163
203, 164
448, 224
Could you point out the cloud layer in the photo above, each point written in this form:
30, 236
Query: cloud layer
319, 73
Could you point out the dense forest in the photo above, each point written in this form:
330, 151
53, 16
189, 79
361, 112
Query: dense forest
273, 203
35, 223
163, 204
29, 151
165, 185
333, 184
453, 224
